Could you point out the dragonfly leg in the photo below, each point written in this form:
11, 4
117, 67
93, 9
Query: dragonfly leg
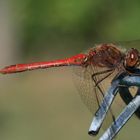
99, 81
101, 72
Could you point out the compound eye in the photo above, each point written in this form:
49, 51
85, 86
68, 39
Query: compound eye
132, 58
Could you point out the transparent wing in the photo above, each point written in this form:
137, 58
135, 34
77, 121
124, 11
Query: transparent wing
128, 44
92, 95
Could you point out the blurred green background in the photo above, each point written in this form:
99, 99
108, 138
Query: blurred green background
44, 104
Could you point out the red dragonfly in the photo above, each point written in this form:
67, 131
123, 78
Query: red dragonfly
95, 70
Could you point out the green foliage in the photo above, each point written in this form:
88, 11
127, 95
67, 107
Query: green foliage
52, 20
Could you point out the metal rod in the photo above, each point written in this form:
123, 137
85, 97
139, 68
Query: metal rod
107, 101
122, 119
129, 110
102, 111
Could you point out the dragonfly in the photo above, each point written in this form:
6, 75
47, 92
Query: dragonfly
95, 71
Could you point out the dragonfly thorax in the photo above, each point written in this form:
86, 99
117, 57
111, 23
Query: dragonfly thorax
107, 55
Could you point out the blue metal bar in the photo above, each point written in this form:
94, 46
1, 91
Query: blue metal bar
127, 112
102, 111
122, 119
130, 109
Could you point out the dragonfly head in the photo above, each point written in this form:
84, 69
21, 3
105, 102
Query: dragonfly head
132, 58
